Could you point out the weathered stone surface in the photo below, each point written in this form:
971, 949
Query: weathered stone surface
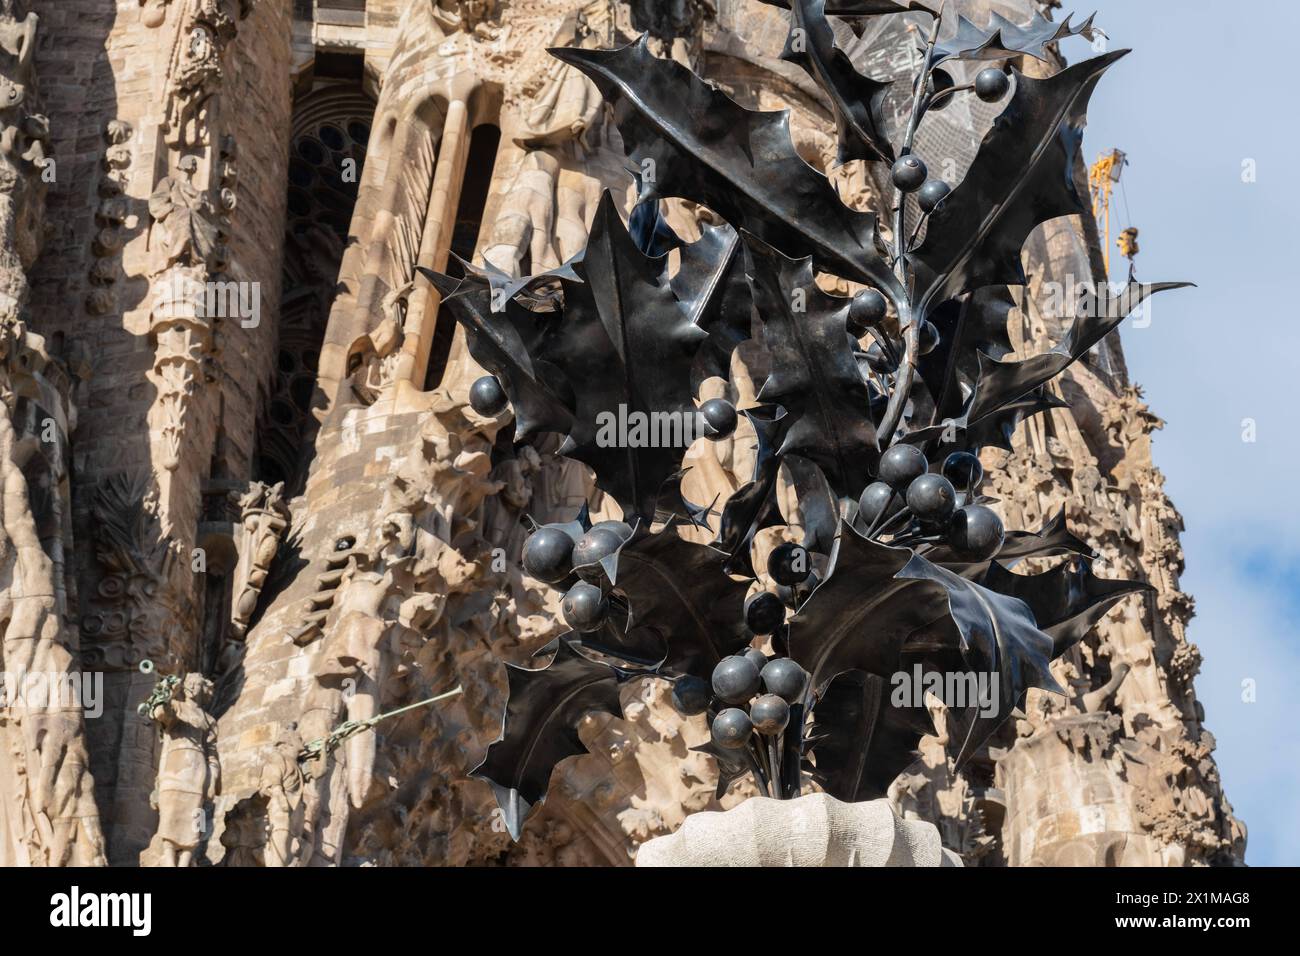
304, 510
814, 830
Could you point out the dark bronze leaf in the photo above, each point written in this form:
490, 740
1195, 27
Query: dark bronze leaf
1001, 39
626, 347
995, 628
506, 342
712, 288
877, 597
862, 740
650, 230
968, 326
732, 765
858, 102
995, 429
860, 616
505, 286
1053, 540
819, 512
1002, 382
673, 504
692, 141
814, 373
684, 608
1022, 177
540, 728
1067, 601
868, 8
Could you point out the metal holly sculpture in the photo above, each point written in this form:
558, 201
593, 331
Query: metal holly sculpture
881, 441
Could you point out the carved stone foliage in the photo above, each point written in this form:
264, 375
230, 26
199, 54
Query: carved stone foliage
134, 614
183, 337
1132, 719
1180, 802
669, 19
195, 75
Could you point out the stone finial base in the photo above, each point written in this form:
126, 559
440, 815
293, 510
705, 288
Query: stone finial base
813, 830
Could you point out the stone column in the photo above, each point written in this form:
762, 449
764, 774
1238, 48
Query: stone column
47, 808
435, 245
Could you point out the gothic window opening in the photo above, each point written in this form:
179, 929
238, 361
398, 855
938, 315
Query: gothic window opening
479, 166
331, 131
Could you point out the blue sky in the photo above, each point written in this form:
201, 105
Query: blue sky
1203, 97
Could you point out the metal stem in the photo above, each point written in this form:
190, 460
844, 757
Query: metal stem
881, 518
907, 320
774, 758
905, 513
805, 722
948, 92
756, 768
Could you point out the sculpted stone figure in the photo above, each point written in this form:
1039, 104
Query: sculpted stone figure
282, 784
196, 73
376, 353
568, 104
17, 47
542, 221
187, 228
189, 773
470, 16
264, 518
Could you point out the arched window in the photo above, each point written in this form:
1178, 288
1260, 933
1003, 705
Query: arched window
331, 131
479, 166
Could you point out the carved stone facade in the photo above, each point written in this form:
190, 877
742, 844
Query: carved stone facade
246, 458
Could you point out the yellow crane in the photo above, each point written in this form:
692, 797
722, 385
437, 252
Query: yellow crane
1102, 177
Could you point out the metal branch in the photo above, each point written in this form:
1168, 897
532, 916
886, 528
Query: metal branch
942, 94
907, 320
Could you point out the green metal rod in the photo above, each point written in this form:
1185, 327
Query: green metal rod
350, 728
